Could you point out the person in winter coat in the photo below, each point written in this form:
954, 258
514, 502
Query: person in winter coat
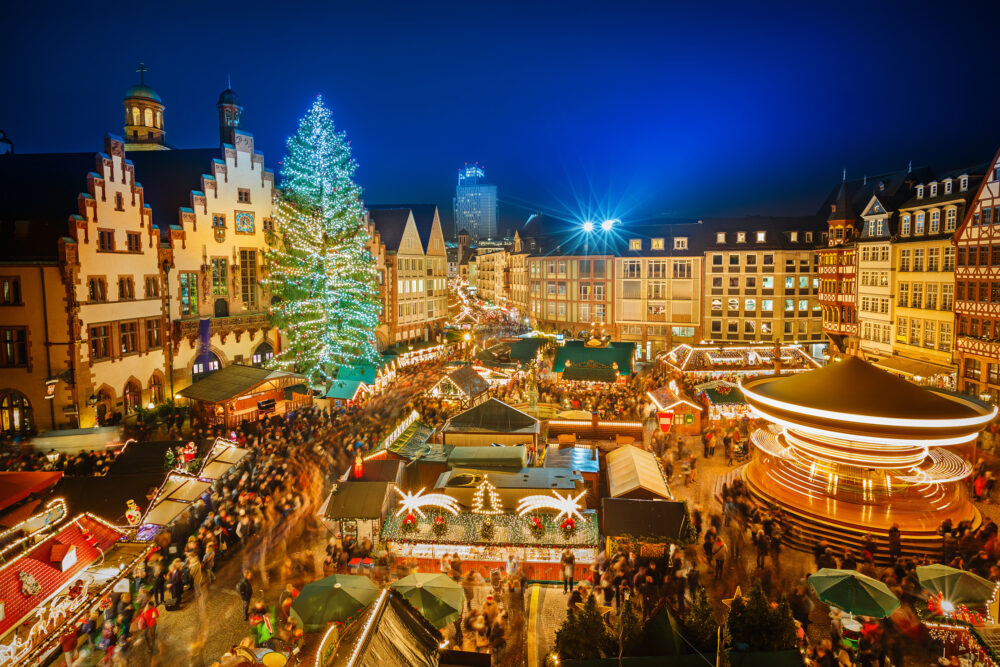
245, 590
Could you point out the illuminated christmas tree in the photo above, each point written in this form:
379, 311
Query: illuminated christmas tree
321, 271
486, 500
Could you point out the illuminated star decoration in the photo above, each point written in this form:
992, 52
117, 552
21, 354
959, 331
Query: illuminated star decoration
568, 506
601, 609
737, 594
413, 502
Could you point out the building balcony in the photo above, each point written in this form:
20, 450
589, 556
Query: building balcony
222, 327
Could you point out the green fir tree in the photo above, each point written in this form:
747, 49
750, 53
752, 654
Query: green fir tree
321, 270
628, 632
700, 626
756, 625
583, 633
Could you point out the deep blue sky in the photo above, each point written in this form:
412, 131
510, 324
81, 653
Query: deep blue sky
684, 109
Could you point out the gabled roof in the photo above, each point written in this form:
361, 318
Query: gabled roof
39, 192
468, 381
357, 500
636, 473
169, 177
390, 221
576, 361
492, 416
390, 632
50, 577
16, 486
235, 380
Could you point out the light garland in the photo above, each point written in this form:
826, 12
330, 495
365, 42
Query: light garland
566, 506
414, 502
486, 500
368, 624
57, 505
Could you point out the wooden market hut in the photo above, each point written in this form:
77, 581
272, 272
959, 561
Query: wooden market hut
576, 360
236, 393
491, 422
635, 473
358, 508
463, 385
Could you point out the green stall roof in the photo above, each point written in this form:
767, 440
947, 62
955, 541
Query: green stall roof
488, 457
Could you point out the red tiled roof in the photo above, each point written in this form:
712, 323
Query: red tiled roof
36, 563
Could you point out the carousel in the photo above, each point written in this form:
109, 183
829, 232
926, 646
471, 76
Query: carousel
852, 450
720, 360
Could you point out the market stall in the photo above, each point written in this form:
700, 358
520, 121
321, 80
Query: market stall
357, 509
463, 387
224, 456
718, 360
649, 527
725, 400
491, 422
535, 529
236, 393
589, 362
675, 411
635, 473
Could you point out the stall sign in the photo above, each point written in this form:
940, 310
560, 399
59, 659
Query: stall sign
666, 420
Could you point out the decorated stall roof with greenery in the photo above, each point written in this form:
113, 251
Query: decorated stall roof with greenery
508, 529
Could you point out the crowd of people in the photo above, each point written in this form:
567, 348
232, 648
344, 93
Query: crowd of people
90, 463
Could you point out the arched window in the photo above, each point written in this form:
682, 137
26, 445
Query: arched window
156, 388
15, 413
229, 117
262, 354
205, 366
132, 396
159, 119
135, 115
147, 117
221, 308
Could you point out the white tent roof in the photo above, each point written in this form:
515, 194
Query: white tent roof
631, 468
224, 455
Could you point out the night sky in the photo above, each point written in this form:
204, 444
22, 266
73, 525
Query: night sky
575, 108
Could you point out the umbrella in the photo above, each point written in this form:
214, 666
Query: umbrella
853, 592
957, 586
438, 597
335, 598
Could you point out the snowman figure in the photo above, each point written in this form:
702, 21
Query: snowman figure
132, 514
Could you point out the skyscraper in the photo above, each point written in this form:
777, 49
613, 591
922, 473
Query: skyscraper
475, 203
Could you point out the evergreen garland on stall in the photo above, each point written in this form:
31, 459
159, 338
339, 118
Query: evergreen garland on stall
320, 270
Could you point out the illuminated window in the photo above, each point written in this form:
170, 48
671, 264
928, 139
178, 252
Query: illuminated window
905, 228
950, 219
635, 244
935, 222
761, 236
656, 244
720, 237
680, 243
147, 117
741, 237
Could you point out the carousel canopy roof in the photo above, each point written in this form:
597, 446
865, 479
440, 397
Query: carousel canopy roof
577, 361
855, 387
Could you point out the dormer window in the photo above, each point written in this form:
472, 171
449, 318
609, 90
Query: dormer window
963, 183
933, 189
762, 235
809, 237
720, 237
792, 236
680, 243
741, 237
905, 227
635, 244
656, 244
947, 187
920, 192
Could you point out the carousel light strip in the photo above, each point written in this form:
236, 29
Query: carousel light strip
868, 439
567, 506
855, 456
946, 467
869, 419
578, 422
768, 442
414, 502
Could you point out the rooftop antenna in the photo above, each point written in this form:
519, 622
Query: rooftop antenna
865, 181
229, 81
909, 167
844, 177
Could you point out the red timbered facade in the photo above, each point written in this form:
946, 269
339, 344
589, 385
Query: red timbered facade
977, 290
837, 275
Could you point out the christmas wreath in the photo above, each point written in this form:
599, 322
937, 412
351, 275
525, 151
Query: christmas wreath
487, 528
568, 525
537, 527
409, 523
439, 526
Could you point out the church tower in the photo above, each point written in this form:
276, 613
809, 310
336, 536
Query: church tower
230, 115
143, 117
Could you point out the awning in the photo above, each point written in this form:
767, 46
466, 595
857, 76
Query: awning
165, 512
16, 486
234, 381
345, 390
357, 500
635, 473
913, 368
175, 496
224, 455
